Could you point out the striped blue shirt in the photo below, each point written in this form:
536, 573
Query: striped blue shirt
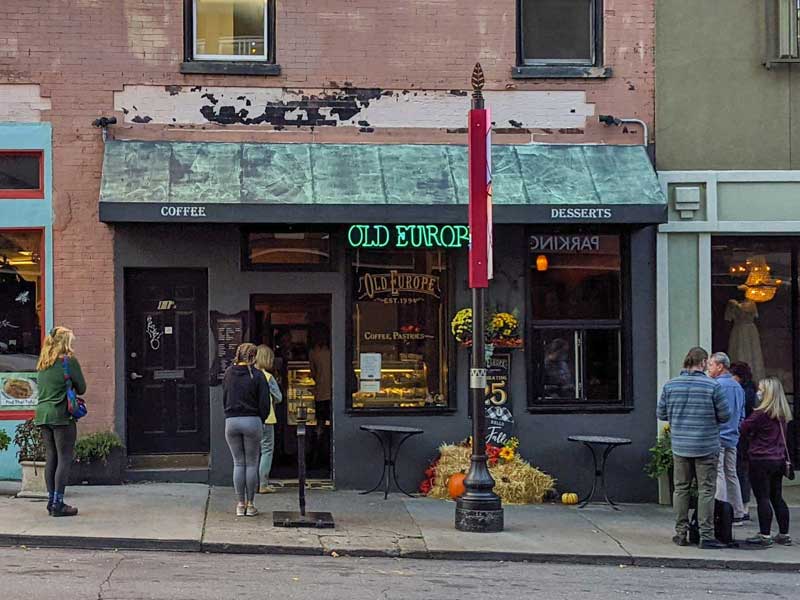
695, 406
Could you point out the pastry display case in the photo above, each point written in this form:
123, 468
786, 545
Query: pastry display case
404, 384
299, 392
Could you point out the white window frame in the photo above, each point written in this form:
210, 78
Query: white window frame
226, 57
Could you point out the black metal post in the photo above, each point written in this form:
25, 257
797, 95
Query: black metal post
479, 509
302, 417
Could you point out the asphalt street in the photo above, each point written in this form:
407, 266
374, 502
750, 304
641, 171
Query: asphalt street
34, 574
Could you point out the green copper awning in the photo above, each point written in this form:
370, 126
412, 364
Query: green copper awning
381, 183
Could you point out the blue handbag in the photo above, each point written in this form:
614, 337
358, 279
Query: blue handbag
76, 407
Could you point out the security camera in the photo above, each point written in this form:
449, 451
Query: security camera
104, 122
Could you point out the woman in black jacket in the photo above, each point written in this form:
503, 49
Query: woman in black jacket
245, 399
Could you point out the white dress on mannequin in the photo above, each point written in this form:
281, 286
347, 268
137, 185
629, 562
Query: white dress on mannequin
745, 342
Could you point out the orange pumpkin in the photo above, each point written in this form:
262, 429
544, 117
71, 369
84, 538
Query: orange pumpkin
455, 485
569, 498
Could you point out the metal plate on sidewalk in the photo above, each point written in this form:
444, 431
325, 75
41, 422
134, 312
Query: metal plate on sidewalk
290, 518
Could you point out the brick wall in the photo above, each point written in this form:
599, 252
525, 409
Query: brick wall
83, 53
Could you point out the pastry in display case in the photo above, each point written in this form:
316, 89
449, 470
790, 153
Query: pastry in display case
300, 391
403, 385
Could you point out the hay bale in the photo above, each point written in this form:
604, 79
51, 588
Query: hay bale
516, 482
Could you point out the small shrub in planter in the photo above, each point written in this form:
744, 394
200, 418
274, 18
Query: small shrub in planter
31, 455
99, 460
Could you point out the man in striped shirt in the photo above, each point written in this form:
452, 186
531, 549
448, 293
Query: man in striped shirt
695, 406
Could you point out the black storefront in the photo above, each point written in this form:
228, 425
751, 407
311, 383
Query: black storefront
370, 289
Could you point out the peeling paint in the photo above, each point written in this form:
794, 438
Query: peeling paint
348, 106
22, 102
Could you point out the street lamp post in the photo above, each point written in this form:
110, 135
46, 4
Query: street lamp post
479, 509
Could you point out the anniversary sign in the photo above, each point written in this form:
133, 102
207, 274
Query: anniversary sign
497, 402
499, 417
229, 331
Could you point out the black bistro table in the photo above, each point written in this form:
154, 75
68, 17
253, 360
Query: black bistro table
387, 435
594, 443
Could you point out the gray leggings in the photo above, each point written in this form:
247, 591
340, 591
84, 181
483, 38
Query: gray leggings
59, 444
243, 435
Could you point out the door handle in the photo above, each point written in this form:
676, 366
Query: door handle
135, 376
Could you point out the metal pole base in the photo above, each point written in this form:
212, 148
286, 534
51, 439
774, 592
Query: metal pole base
479, 521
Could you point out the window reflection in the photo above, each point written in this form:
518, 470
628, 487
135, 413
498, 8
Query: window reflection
21, 294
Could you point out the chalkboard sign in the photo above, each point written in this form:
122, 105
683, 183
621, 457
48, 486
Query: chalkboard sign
499, 414
229, 331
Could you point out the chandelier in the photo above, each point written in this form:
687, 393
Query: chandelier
759, 285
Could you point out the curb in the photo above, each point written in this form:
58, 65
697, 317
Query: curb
93, 543
145, 544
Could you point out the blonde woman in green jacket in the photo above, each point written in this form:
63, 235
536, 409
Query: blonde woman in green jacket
55, 423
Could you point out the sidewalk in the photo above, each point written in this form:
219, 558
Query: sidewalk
193, 517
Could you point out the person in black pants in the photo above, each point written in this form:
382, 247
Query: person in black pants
56, 424
765, 431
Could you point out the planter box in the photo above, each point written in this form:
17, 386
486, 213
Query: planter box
33, 484
102, 472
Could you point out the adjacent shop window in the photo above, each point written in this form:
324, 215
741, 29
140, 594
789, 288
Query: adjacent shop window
231, 30
576, 320
21, 299
560, 32
21, 174
754, 309
399, 330
278, 250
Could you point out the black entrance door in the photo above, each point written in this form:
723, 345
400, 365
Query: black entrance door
166, 350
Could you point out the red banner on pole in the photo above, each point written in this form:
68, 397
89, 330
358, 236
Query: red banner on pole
480, 198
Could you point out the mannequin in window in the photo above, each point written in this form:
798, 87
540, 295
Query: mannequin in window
745, 342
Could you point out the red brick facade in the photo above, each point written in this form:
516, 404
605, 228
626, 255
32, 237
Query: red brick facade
84, 52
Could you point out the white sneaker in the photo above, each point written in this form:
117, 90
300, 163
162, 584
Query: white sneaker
241, 510
251, 510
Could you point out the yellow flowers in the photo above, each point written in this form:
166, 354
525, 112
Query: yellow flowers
507, 453
502, 328
461, 326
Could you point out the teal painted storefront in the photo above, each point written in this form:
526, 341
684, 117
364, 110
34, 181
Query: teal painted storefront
28, 214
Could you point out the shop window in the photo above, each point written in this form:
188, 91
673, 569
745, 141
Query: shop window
230, 32
560, 32
21, 299
754, 308
21, 174
399, 338
576, 324
277, 250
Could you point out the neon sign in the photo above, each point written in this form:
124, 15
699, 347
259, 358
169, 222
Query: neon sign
408, 236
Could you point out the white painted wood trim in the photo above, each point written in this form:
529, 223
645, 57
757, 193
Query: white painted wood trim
712, 206
735, 227
704, 290
776, 176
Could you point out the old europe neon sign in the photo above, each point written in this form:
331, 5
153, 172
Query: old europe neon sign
408, 236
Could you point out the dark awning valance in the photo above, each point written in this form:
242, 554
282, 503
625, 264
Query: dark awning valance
380, 183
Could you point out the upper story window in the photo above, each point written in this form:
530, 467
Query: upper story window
559, 31
21, 174
560, 38
783, 32
230, 36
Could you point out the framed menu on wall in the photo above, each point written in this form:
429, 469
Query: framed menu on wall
229, 331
